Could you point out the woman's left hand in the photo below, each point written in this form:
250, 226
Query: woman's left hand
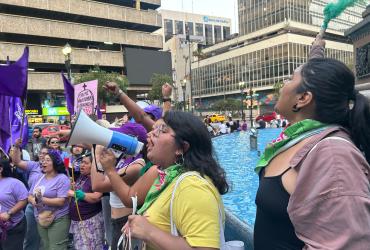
107, 160
139, 226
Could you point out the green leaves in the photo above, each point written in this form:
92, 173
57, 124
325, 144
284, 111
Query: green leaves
102, 76
157, 81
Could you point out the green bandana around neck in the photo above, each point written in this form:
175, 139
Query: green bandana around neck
164, 179
288, 138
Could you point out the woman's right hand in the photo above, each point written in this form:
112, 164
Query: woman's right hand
112, 87
15, 154
107, 159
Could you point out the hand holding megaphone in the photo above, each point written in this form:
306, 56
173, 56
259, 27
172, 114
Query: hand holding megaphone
107, 160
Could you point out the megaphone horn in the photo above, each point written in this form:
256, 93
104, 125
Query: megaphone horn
87, 131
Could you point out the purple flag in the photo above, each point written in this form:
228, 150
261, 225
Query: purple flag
11, 126
13, 77
69, 92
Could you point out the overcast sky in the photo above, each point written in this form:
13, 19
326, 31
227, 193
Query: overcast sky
222, 8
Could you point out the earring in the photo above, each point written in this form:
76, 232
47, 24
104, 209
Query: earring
180, 159
295, 109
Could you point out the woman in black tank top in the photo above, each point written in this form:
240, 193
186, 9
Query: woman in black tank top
273, 228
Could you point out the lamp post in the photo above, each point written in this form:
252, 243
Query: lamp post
242, 86
183, 86
251, 107
67, 50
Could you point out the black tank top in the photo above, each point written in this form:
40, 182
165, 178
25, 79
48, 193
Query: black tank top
273, 229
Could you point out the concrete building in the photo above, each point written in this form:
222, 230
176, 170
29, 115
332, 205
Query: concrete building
97, 30
360, 35
275, 38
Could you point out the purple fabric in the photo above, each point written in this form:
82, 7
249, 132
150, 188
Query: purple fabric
12, 191
13, 77
87, 210
33, 169
134, 129
56, 187
11, 110
98, 112
154, 110
69, 92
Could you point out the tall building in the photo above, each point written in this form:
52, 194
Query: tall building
98, 32
275, 37
207, 29
204, 31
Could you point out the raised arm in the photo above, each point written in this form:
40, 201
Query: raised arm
317, 49
139, 115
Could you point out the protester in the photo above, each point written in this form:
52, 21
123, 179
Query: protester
180, 143
13, 198
85, 210
314, 179
75, 160
129, 169
244, 126
48, 195
138, 114
54, 143
36, 142
33, 170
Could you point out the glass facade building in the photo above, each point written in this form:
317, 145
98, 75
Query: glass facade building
260, 68
257, 14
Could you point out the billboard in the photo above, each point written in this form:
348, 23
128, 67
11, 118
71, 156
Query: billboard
141, 64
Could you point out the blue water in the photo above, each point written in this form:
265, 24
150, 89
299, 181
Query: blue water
235, 157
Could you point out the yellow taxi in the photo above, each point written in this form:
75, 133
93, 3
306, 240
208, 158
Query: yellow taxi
217, 118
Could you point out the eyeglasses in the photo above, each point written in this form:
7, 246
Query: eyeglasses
54, 142
162, 128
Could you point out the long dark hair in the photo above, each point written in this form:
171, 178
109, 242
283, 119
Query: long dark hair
9, 171
332, 84
58, 164
199, 156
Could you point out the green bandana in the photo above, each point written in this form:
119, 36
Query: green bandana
164, 179
288, 138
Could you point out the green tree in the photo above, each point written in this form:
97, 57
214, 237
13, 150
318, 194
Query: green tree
277, 86
157, 81
102, 76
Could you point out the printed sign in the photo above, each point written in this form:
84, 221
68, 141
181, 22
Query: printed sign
86, 95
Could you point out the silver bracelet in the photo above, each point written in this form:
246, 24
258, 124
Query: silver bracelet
120, 92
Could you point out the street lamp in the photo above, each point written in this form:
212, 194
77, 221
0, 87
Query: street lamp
241, 87
67, 50
183, 86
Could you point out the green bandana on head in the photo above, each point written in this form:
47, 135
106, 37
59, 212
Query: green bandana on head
292, 135
164, 179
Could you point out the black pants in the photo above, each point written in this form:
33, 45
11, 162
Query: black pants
117, 225
15, 237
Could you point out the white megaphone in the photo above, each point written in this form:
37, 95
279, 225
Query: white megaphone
87, 131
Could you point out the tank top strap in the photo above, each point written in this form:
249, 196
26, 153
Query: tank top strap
285, 171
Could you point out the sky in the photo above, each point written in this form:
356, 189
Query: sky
221, 8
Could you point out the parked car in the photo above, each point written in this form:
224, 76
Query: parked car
267, 117
51, 129
217, 118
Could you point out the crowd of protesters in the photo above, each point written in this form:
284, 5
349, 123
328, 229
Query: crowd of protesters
313, 192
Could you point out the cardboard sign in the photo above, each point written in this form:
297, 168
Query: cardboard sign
86, 97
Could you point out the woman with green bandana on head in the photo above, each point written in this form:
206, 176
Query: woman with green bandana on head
314, 179
181, 146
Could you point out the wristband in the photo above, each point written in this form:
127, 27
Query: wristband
120, 92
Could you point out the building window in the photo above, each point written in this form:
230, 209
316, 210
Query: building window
199, 29
226, 32
190, 26
168, 29
209, 34
179, 27
218, 35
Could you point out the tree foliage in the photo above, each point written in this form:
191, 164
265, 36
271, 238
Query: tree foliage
157, 81
277, 86
102, 76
